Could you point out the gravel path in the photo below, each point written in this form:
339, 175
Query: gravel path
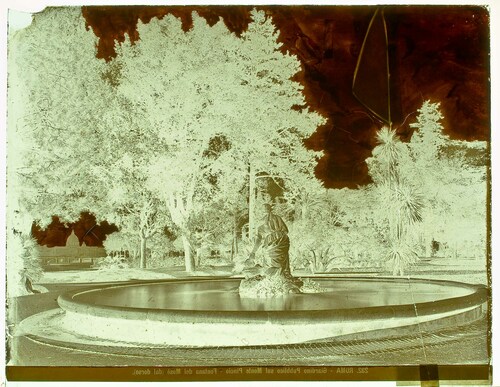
461, 345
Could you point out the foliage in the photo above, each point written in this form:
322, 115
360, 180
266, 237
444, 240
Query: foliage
158, 248
122, 244
212, 228
401, 204
56, 93
31, 258
78, 156
125, 201
23, 249
454, 184
428, 139
113, 262
429, 190
218, 106
400, 256
191, 120
15, 267
174, 110
337, 233
385, 163
315, 217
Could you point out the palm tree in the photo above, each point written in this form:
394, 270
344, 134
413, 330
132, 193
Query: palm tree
389, 153
402, 203
405, 212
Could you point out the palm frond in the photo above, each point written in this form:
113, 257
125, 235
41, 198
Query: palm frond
401, 256
388, 142
410, 203
389, 153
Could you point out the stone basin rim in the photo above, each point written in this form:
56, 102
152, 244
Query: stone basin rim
478, 296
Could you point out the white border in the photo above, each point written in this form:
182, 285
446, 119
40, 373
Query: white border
37, 5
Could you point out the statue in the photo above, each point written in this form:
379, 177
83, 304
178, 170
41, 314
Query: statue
272, 235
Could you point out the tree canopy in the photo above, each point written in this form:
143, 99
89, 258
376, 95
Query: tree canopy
177, 120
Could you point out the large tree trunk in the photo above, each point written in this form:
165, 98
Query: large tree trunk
179, 210
188, 255
234, 245
143, 252
251, 204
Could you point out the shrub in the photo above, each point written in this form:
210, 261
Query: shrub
158, 248
113, 262
400, 257
24, 266
122, 244
31, 258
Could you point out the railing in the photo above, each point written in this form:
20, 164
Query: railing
48, 261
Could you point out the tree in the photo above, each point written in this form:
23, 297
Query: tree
401, 203
450, 201
55, 85
77, 155
125, 201
274, 118
453, 183
54, 94
168, 79
191, 88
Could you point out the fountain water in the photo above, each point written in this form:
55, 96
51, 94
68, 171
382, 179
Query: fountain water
211, 312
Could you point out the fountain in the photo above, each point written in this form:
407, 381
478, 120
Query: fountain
227, 312
211, 312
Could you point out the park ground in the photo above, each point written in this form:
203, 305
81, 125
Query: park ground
468, 270
460, 345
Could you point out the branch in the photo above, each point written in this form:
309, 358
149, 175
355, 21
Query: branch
274, 177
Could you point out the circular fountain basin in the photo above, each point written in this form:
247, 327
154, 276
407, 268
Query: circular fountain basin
210, 312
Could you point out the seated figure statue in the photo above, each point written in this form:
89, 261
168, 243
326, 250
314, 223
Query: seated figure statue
272, 235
